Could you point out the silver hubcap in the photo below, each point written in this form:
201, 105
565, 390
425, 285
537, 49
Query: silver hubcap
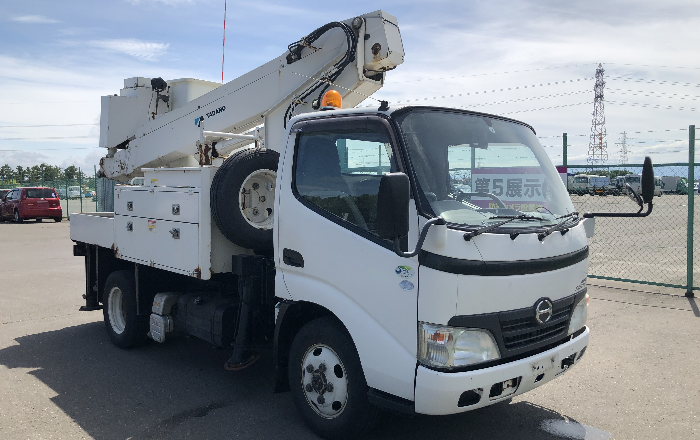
257, 198
115, 308
324, 381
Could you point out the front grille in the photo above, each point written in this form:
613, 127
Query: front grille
520, 330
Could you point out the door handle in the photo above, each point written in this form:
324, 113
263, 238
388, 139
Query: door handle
292, 258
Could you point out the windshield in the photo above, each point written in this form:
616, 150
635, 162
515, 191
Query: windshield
472, 168
581, 180
632, 179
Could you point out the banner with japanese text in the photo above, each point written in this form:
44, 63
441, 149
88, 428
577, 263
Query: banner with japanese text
519, 188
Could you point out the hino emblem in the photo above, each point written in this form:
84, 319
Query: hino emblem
543, 311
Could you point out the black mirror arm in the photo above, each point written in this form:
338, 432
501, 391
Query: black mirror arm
621, 214
421, 238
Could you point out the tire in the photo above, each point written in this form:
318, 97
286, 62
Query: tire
38, 220
245, 218
344, 412
126, 329
58, 219
18, 219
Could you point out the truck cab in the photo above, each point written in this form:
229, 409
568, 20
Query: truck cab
579, 184
445, 330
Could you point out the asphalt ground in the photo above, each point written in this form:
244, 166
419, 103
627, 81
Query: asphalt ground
60, 377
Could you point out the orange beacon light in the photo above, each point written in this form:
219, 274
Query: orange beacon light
332, 99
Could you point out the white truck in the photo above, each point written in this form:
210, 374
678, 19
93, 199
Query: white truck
579, 184
674, 185
275, 216
635, 182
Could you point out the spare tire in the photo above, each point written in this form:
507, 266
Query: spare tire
243, 196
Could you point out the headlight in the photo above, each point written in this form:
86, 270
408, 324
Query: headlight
450, 347
578, 318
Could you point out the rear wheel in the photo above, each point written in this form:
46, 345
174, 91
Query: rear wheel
126, 329
327, 381
57, 219
39, 220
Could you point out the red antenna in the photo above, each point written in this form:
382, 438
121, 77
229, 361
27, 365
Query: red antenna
223, 46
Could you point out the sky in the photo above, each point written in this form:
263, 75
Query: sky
534, 61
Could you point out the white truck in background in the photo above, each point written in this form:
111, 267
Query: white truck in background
674, 185
275, 216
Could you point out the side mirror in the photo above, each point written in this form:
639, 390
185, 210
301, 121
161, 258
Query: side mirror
392, 213
646, 197
392, 206
647, 181
632, 194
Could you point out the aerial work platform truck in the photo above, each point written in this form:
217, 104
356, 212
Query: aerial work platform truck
277, 215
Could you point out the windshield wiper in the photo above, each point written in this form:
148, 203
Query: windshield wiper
558, 227
471, 234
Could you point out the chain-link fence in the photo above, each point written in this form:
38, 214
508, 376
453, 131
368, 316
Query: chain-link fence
650, 250
82, 193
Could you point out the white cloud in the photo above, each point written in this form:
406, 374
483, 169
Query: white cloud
22, 158
144, 50
34, 19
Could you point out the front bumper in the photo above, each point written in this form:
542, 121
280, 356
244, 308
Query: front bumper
439, 393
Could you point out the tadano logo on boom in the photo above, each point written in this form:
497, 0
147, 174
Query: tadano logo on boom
199, 119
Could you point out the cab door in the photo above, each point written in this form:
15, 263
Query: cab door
328, 250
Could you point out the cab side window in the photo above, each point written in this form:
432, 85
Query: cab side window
338, 172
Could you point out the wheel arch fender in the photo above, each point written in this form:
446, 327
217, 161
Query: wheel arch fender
387, 365
291, 317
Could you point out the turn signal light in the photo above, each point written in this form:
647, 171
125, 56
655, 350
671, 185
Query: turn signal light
332, 99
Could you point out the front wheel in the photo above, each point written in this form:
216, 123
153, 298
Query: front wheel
327, 381
18, 219
126, 329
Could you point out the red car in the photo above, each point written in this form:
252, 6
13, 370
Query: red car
27, 203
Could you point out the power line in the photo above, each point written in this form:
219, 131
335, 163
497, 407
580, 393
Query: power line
503, 89
672, 96
655, 106
53, 149
634, 132
535, 70
491, 73
651, 65
546, 108
652, 81
43, 125
50, 137
514, 100
41, 102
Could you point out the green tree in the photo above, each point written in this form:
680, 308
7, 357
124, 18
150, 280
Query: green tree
7, 174
20, 172
71, 172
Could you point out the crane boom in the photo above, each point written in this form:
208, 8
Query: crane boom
154, 123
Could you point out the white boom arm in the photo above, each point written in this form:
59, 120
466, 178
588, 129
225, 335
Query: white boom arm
155, 124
